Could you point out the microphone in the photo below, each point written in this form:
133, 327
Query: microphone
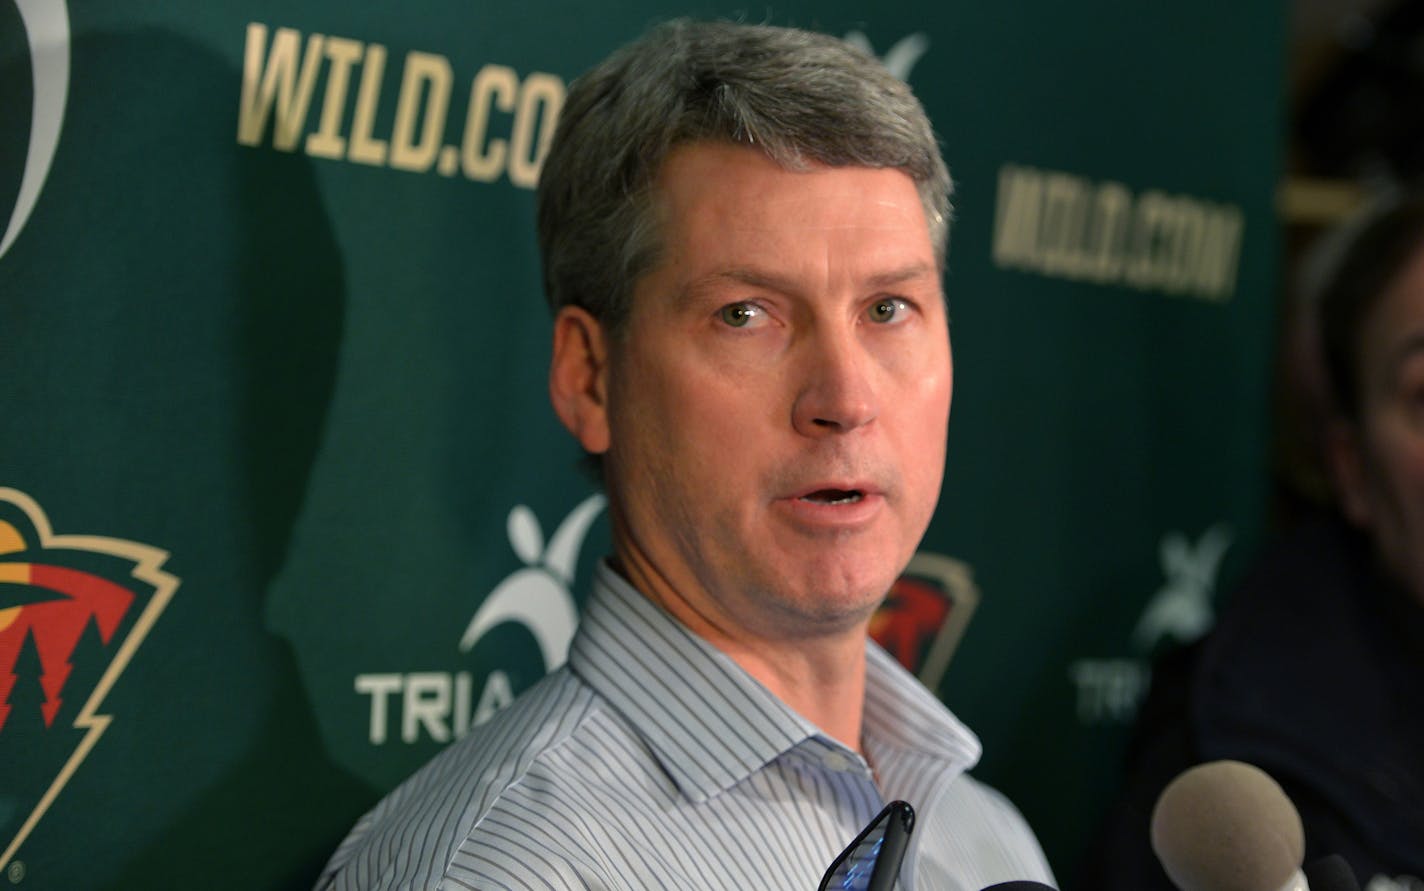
872, 860
1020, 885
1227, 826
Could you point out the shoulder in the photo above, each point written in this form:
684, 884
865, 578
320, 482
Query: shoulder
1305, 580
1308, 617
410, 838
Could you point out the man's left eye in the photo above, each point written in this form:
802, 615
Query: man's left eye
887, 310
740, 315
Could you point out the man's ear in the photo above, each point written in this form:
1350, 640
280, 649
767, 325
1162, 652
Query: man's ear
578, 377
1345, 451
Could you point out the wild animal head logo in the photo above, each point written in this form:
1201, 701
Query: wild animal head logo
73, 610
925, 613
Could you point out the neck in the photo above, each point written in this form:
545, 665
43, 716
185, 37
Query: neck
819, 681
821, 677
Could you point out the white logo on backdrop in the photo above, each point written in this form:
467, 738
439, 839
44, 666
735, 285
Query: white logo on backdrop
444, 705
538, 595
1181, 608
900, 59
47, 29
1109, 690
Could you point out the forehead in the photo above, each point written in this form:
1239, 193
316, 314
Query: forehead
720, 201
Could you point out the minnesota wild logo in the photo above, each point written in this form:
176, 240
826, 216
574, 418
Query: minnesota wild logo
73, 610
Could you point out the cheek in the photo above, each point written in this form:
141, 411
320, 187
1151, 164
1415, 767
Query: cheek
724, 399
928, 457
678, 419
924, 417
1407, 483
1395, 492
927, 390
1399, 453
1397, 513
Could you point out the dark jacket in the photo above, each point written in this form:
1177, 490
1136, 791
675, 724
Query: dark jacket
1314, 673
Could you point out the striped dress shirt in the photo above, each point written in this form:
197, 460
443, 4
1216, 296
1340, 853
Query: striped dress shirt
652, 760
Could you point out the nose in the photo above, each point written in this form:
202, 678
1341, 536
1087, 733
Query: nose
837, 394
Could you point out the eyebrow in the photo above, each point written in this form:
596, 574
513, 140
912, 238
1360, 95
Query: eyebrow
760, 278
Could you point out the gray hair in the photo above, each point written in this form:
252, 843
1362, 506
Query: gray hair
800, 97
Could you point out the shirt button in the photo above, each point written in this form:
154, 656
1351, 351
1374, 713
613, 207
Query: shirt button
837, 762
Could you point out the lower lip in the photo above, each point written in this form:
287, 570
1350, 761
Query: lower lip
828, 514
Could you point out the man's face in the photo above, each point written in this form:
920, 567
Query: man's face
1385, 492
778, 400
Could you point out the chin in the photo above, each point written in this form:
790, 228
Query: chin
824, 618
850, 595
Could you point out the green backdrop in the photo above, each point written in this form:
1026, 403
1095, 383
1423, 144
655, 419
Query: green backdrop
282, 504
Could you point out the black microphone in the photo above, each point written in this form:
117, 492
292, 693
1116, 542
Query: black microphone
1020, 885
872, 860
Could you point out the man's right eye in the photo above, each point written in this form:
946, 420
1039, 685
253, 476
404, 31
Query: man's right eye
739, 315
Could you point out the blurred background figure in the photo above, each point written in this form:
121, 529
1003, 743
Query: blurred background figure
1315, 666
1315, 671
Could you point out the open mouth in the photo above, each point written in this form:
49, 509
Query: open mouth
834, 496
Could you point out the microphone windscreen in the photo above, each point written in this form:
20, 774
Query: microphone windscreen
1331, 873
1227, 826
1021, 885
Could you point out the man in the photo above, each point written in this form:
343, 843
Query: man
743, 231
1313, 670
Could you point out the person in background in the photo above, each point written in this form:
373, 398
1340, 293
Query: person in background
743, 232
1315, 670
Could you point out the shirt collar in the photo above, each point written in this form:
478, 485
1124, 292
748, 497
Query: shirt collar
902, 716
708, 722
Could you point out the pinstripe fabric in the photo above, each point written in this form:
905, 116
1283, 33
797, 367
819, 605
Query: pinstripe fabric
652, 760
